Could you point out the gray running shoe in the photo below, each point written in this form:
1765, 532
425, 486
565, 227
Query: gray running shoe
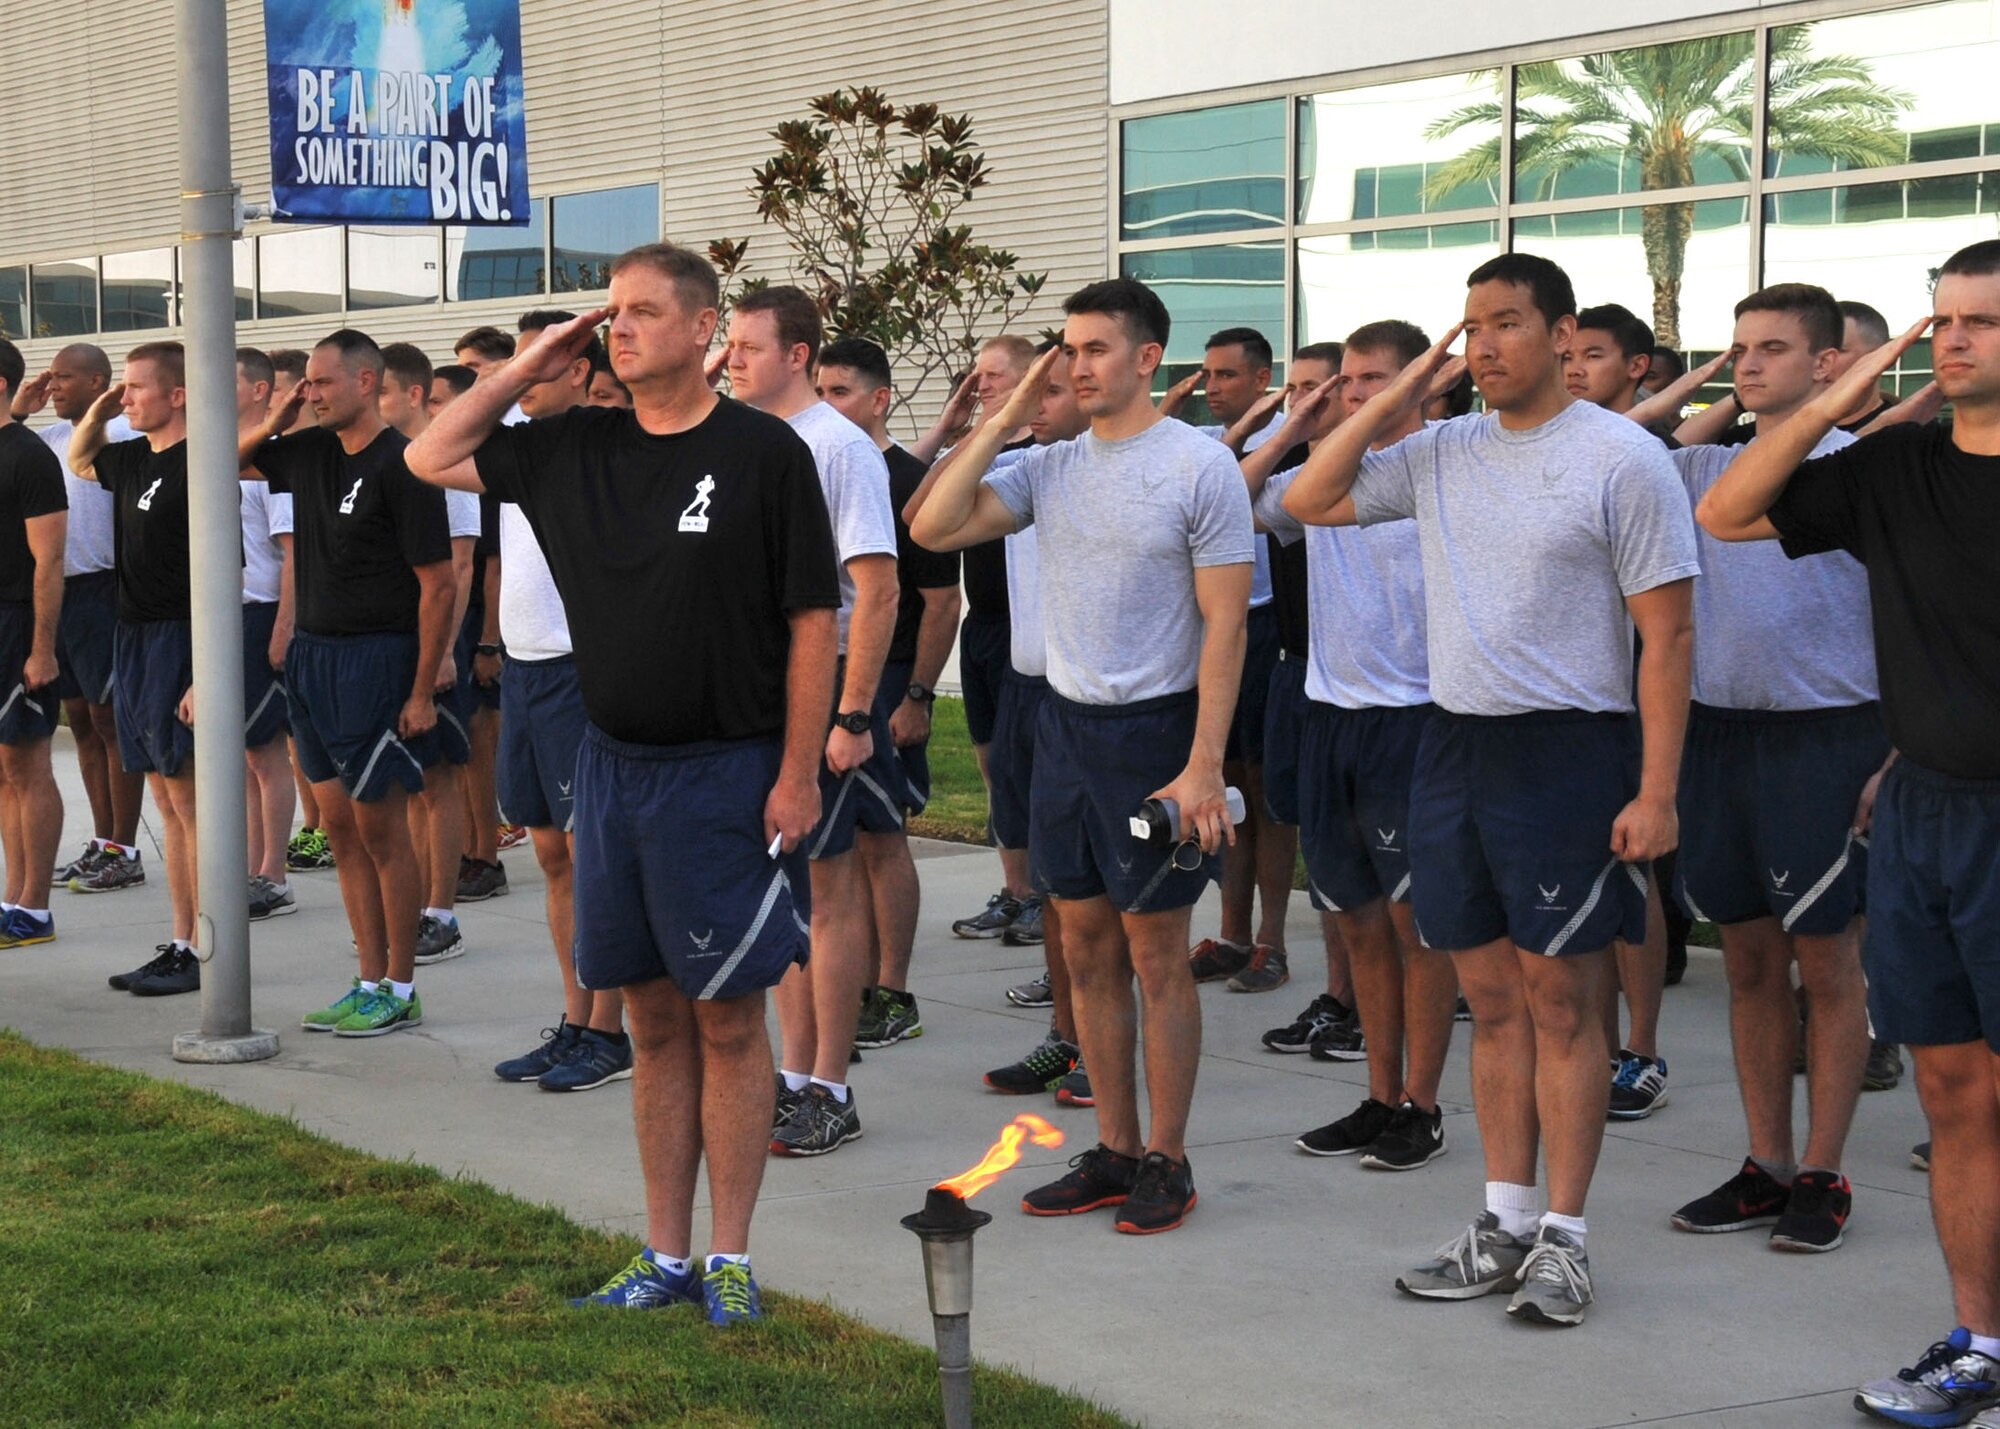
1032, 994
1482, 1259
479, 880
1074, 1089
111, 873
438, 940
1884, 1069
886, 1019
267, 900
819, 1123
1555, 1281
81, 864
996, 918
1948, 1385
1026, 929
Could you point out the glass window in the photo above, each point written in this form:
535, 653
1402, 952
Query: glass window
298, 273
1207, 171
1680, 270
1208, 289
392, 267
1429, 146
1347, 279
13, 303
65, 298
1903, 86
594, 228
497, 262
1630, 121
139, 290
243, 257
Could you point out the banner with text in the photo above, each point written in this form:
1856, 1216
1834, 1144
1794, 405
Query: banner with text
397, 111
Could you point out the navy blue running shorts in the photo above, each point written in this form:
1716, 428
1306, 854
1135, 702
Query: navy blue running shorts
871, 798
913, 761
1011, 760
264, 704
1933, 945
25, 715
154, 664
1355, 768
541, 728
673, 872
347, 694
1260, 654
1510, 832
83, 637
1767, 805
983, 645
1284, 720
1094, 766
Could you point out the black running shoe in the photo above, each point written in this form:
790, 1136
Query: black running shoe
1099, 1177
183, 974
1413, 1138
556, 1042
996, 918
1884, 1069
1026, 929
1212, 959
1321, 1013
163, 959
1462, 1012
1162, 1195
1354, 1132
1074, 1089
1752, 1197
1042, 1070
1342, 1042
1920, 1156
1815, 1217
820, 1122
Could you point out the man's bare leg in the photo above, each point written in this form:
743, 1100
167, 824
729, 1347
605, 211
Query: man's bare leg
668, 1091
93, 761
1239, 867
1503, 1060
890, 873
1172, 1012
1764, 1032
1642, 978
1959, 1085
1572, 1092
1376, 963
838, 969
1277, 859
1836, 1039
175, 800
128, 791
482, 795
736, 1108
31, 821
1107, 1017
270, 803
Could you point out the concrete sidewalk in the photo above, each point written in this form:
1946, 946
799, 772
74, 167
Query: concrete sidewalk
1273, 1305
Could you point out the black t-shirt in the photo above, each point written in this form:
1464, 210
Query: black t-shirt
31, 484
679, 559
1290, 594
360, 525
1741, 433
917, 569
1924, 517
149, 527
986, 567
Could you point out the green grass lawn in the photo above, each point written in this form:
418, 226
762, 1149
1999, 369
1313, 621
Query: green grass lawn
957, 810
171, 1259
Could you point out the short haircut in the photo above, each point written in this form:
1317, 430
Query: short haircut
358, 349
1633, 334
459, 376
1408, 341
1873, 326
1255, 345
693, 276
256, 365
1667, 366
1458, 401
488, 342
13, 367
1554, 295
536, 319
793, 310
1328, 352
90, 357
406, 365
1021, 350
1134, 304
169, 357
1811, 304
859, 355
1975, 260
288, 362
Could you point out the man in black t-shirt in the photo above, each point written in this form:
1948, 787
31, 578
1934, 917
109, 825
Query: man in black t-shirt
1919, 506
690, 542
373, 578
33, 525
153, 645
854, 379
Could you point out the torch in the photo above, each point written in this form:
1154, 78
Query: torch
946, 1226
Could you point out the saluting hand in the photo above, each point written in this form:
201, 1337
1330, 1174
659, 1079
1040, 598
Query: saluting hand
109, 404
33, 396
280, 421
712, 365
1026, 398
549, 356
1866, 375
1177, 395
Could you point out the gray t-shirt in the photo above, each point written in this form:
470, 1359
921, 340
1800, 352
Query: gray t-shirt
1365, 605
1532, 541
88, 545
1260, 577
856, 482
1124, 526
1771, 633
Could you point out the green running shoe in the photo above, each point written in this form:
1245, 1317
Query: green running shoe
327, 1018
381, 1012
309, 851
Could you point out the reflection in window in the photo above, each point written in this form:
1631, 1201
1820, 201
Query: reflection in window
497, 262
13, 303
1208, 289
392, 267
593, 229
1347, 279
1208, 171
298, 273
138, 290
1658, 261
65, 298
1428, 146
243, 256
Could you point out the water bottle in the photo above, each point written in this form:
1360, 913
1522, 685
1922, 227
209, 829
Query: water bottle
1158, 822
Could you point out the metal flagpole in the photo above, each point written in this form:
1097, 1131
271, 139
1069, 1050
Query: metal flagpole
209, 224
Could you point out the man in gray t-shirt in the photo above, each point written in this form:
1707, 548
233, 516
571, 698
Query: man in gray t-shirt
1146, 550
1548, 528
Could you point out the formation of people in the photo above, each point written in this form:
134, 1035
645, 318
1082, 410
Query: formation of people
1525, 686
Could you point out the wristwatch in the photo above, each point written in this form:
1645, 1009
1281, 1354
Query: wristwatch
922, 694
485, 649
856, 721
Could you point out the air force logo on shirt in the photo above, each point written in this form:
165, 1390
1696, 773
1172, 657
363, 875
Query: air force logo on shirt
347, 501
695, 518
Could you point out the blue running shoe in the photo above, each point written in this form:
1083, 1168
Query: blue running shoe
732, 1296
1948, 1385
20, 928
645, 1285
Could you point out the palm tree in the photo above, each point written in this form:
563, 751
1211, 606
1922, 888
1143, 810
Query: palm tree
1668, 107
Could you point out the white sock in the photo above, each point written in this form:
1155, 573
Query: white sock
715, 1260
839, 1089
443, 915
40, 915
280, 885
1571, 1226
1518, 1208
673, 1265
1988, 1345
184, 945
795, 1081
8, 907
402, 989
367, 986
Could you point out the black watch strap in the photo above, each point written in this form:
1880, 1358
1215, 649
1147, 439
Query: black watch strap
484, 649
923, 694
856, 721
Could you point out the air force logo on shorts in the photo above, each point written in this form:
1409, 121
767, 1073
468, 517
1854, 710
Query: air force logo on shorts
695, 517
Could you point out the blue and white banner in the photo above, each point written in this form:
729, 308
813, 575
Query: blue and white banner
397, 111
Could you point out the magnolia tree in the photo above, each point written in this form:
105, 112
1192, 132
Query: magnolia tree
867, 194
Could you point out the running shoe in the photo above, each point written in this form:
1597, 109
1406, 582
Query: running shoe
1211, 959
332, 1015
112, 873
1354, 1132
1948, 1384
1555, 1281
79, 865
1677, 961
819, 1123
998, 916
645, 1285
1414, 1137
1266, 970
1639, 1088
1162, 1194
20, 929
730, 1295
511, 836
1920, 1156
1074, 1089
1815, 1218
529, 1066
785, 1105
1026, 929
1342, 1042
439, 940
1099, 1177
1463, 1011
1032, 994
309, 851
1752, 1197
1884, 1069
270, 900
380, 1013
1042, 1070
1321, 1013
479, 880
595, 1058
163, 958
1480, 1260
887, 1017
183, 974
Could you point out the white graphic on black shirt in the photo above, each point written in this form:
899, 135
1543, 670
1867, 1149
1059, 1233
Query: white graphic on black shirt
146, 500
347, 501
695, 518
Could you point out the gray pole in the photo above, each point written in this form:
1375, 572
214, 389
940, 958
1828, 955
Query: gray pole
209, 223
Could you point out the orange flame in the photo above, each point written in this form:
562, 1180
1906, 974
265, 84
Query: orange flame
1001, 1156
